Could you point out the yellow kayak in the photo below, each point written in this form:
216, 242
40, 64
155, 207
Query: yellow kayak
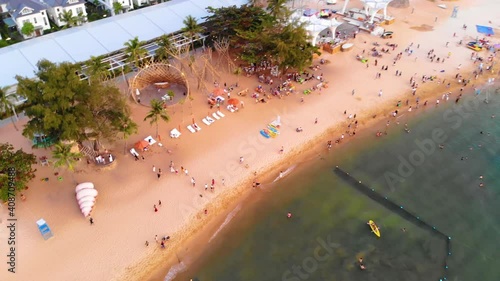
374, 228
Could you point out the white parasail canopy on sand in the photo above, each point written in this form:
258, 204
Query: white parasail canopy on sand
86, 197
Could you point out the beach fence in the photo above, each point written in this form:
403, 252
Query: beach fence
398, 209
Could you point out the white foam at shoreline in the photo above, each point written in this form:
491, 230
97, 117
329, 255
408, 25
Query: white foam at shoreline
229, 217
174, 270
286, 172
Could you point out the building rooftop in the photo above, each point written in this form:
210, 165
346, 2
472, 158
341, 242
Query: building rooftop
102, 37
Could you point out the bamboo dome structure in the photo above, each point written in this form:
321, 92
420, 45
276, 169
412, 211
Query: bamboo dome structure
155, 80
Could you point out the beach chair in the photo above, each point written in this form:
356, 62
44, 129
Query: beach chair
220, 114
206, 121
230, 108
134, 152
216, 116
209, 119
198, 128
191, 129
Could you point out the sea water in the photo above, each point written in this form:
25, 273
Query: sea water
433, 171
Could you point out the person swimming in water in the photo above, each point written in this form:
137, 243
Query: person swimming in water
289, 215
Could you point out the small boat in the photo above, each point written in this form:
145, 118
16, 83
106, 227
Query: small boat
374, 228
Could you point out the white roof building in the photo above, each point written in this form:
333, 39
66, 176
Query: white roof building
102, 37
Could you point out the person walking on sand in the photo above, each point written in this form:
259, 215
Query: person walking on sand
159, 203
91, 220
316, 120
193, 182
206, 187
159, 173
282, 150
156, 238
154, 207
154, 169
186, 172
241, 159
223, 182
380, 93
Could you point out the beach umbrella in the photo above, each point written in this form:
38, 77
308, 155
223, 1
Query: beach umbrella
233, 102
140, 145
84, 185
86, 192
218, 91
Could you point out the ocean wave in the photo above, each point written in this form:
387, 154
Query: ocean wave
229, 217
284, 173
174, 270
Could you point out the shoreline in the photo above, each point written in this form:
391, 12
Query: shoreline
301, 158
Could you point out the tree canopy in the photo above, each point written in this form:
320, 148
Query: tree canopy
15, 170
64, 107
28, 28
264, 34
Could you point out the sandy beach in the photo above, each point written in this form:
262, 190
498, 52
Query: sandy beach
114, 247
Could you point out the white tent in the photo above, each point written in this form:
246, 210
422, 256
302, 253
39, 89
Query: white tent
315, 25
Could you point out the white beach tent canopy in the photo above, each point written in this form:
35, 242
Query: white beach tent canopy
86, 197
78, 44
315, 25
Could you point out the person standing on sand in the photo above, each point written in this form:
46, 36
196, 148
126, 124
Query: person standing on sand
159, 173
91, 220
193, 182
159, 203
154, 169
316, 120
206, 187
241, 159
154, 207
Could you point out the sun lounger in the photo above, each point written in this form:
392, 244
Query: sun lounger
175, 133
216, 116
230, 108
134, 152
191, 129
206, 121
198, 128
220, 114
209, 119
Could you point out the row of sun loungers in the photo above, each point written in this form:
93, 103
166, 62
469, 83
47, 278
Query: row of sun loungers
207, 120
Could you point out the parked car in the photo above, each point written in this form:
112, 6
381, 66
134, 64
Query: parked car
387, 34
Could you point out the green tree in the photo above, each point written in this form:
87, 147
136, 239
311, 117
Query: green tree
134, 50
128, 128
96, 69
117, 7
156, 113
28, 29
165, 47
64, 157
6, 104
68, 18
226, 21
16, 170
278, 10
191, 28
65, 108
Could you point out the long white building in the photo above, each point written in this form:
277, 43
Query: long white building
102, 37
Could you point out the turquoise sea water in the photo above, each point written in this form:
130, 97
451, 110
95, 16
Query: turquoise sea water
328, 232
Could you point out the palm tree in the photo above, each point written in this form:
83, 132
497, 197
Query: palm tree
117, 7
135, 50
165, 45
68, 18
128, 128
64, 156
278, 9
192, 28
6, 104
97, 69
156, 113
